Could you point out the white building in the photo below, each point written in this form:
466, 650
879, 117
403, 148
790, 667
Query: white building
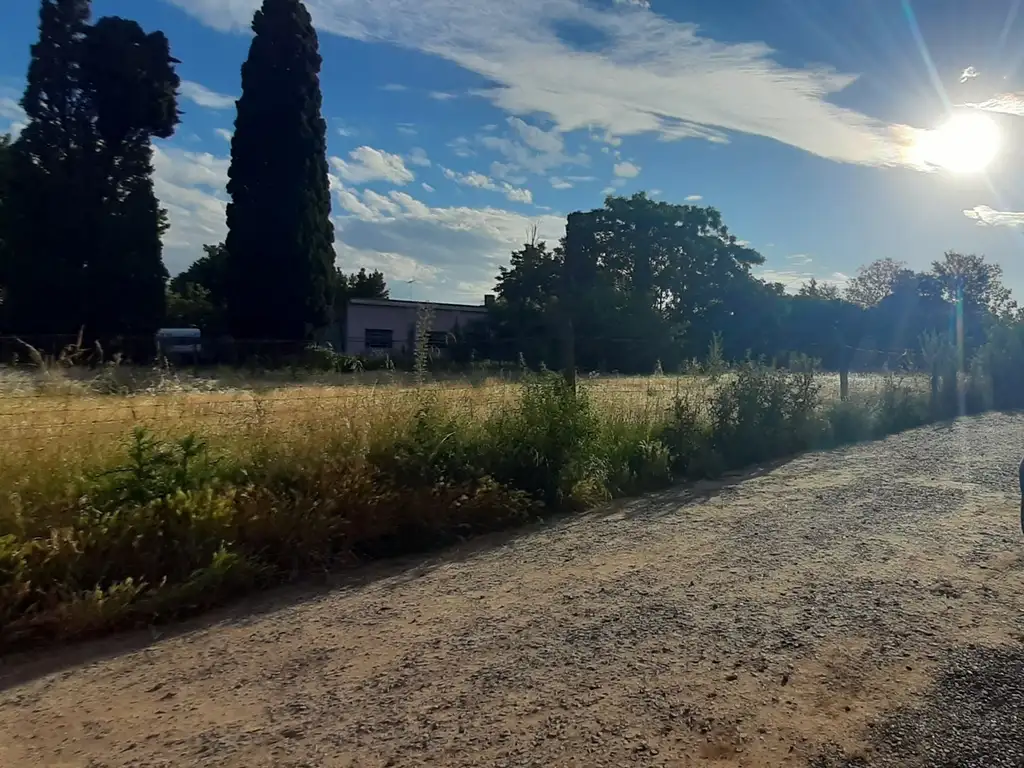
388, 326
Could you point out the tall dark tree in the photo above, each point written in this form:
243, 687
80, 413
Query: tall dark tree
85, 226
5, 191
49, 206
132, 87
280, 237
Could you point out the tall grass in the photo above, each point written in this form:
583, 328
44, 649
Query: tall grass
122, 509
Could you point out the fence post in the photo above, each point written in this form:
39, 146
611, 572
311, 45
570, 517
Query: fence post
844, 372
575, 245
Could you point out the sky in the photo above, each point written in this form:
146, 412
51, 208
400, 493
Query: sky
456, 126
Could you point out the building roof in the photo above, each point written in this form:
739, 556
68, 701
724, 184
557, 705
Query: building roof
416, 304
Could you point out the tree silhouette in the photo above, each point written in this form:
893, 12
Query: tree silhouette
280, 266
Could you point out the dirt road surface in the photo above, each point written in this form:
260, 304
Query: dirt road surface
859, 607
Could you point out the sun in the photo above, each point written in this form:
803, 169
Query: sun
966, 143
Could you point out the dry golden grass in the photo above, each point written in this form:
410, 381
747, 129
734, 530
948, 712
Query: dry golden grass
57, 423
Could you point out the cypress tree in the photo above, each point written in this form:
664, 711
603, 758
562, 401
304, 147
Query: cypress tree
280, 257
48, 208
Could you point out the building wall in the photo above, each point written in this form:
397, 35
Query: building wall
400, 319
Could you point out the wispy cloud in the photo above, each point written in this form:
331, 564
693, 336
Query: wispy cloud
407, 129
418, 156
427, 187
799, 258
442, 96
482, 181
369, 164
989, 217
560, 183
224, 133
395, 87
204, 97
530, 148
693, 198
462, 147
652, 75
1006, 103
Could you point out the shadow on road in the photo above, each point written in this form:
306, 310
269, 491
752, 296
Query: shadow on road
23, 667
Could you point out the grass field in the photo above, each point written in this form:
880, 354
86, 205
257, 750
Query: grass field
73, 417
132, 495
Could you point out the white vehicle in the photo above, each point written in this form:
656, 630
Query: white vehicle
179, 343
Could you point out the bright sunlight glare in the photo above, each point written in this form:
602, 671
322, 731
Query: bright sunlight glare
966, 143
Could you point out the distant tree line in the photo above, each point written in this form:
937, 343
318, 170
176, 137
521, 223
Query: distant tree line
640, 284
636, 283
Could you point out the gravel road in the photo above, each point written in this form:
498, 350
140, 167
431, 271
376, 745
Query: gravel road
852, 608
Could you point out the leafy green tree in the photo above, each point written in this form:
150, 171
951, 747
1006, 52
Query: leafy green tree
360, 285
522, 319
209, 272
280, 267
875, 281
980, 282
193, 306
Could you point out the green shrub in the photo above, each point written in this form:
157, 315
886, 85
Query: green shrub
547, 444
900, 407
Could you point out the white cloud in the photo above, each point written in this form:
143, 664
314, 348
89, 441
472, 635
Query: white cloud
1006, 103
626, 170
799, 258
693, 198
191, 186
560, 183
531, 148
408, 129
11, 111
427, 187
650, 74
395, 87
635, 3
461, 147
224, 133
369, 164
482, 181
204, 97
442, 96
608, 191
418, 156
415, 241
345, 130
986, 216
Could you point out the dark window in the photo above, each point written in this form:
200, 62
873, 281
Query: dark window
379, 338
438, 339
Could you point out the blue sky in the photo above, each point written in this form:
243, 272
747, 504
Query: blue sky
456, 125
